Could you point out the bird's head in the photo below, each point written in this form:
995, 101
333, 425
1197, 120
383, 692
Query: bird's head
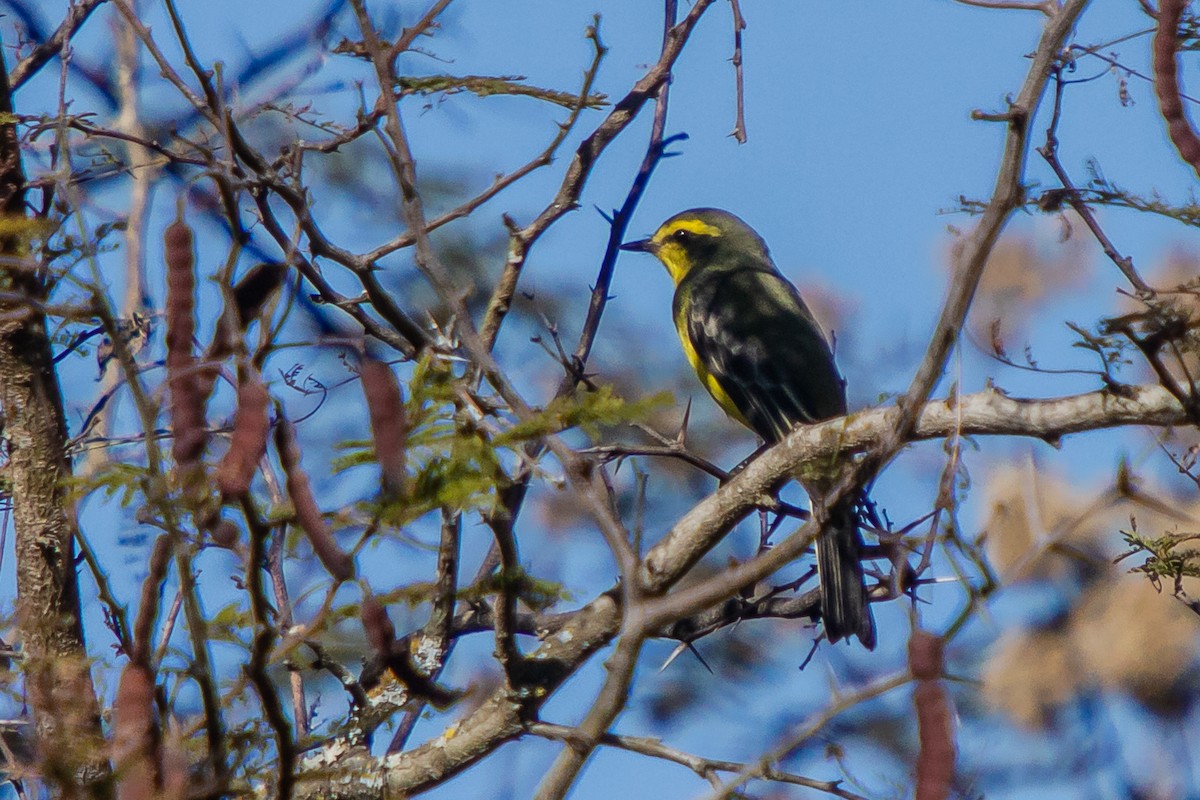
700, 238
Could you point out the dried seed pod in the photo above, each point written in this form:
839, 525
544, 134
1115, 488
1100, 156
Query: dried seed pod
381, 633
224, 534
135, 734
1166, 82
187, 399
935, 730
143, 624
925, 655
935, 717
308, 515
249, 439
389, 425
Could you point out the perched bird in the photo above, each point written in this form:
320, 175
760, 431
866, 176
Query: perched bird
762, 356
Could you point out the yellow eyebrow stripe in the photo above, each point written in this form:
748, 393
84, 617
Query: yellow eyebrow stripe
693, 225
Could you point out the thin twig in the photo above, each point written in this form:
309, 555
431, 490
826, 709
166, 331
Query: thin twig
1047, 7
620, 220
260, 651
739, 25
706, 768
409, 35
283, 607
810, 728
201, 670
567, 199
1049, 151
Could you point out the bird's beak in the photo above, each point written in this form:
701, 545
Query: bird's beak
640, 246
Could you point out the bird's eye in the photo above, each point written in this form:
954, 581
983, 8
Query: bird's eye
682, 235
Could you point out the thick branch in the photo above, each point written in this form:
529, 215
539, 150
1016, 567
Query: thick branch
989, 413
500, 718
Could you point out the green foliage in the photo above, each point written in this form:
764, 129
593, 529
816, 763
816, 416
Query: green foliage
462, 478
589, 411
1167, 559
535, 592
455, 462
231, 623
117, 477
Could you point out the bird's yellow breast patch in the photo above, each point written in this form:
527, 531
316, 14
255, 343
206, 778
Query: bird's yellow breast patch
707, 378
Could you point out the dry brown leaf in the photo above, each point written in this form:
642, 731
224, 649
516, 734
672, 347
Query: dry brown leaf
1030, 676
1130, 638
1021, 275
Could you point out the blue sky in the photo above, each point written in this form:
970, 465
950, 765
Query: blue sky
860, 145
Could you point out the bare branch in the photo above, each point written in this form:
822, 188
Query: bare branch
27, 67
580, 634
611, 700
567, 198
620, 220
706, 768
1049, 151
739, 25
1047, 7
810, 728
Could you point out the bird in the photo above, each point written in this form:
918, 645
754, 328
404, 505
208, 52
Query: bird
761, 354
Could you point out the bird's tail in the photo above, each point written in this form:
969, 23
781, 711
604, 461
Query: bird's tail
844, 606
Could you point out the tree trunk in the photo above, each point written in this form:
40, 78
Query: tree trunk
58, 681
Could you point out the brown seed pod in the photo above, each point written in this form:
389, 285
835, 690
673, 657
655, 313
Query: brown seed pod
225, 534
308, 514
1166, 82
249, 439
925, 655
381, 633
135, 734
935, 729
187, 399
389, 425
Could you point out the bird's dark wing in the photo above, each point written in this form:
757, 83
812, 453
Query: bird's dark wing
756, 338
753, 336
